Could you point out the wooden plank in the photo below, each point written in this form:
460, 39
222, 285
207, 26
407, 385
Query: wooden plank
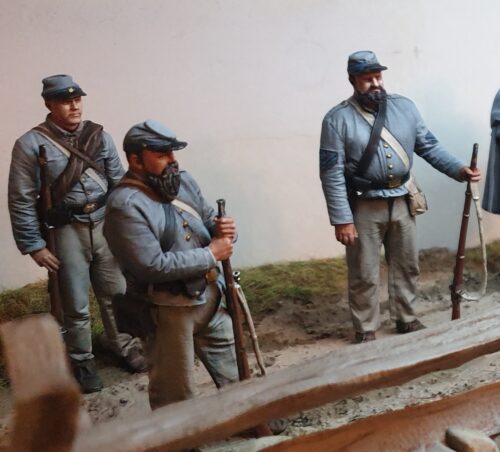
46, 396
342, 373
407, 429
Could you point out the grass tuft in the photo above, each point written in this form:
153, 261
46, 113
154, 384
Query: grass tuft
264, 285
300, 280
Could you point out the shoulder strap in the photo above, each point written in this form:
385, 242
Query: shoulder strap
388, 137
47, 133
90, 171
128, 181
187, 208
372, 146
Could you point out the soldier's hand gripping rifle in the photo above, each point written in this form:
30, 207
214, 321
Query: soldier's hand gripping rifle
234, 310
48, 233
456, 287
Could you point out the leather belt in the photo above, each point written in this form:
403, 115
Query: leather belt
88, 207
362, 184
177, 287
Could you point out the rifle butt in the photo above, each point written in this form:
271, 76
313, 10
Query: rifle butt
49, 235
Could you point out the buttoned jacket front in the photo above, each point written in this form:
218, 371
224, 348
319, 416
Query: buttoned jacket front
156, 242
344, 137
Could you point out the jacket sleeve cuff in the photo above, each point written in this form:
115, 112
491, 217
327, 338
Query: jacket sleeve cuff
37, 246
212, 262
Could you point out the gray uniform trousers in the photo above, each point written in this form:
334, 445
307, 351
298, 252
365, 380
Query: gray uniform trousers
183, 331
380, 222
85, 260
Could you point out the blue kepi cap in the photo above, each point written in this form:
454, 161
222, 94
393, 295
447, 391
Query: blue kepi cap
60, 87
152, 135
362, 62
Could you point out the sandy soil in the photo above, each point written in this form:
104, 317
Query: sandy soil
295, 332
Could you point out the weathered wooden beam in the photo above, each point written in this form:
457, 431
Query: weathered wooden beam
46, 396
339, 374
409, 429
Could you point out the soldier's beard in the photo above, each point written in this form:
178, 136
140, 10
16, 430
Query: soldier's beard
167, 184
372, 98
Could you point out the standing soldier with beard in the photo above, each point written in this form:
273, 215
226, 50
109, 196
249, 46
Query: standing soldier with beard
366, 154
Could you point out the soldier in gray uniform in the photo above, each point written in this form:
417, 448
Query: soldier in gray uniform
491, 198
370, 209
79, 191
168, 241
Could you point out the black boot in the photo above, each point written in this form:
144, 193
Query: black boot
408, 327
367, 336
86, 375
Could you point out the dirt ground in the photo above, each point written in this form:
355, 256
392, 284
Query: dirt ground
296, 331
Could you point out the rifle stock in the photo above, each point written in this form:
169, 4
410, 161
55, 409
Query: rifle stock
48, 234
234, 310
456, 288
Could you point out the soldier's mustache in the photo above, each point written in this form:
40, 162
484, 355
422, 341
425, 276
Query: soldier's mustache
372, 96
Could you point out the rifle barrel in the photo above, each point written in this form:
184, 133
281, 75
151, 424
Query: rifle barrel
458, 273
234, 310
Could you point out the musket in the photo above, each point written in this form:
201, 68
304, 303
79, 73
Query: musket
456, 288
48, 234
234, 310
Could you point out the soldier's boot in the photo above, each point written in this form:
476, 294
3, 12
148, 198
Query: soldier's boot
86, 375
408, 327
135, 361
367, 336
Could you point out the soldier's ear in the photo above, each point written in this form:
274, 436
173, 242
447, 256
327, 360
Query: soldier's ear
135, 161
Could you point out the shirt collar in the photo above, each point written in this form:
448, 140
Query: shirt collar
61, 131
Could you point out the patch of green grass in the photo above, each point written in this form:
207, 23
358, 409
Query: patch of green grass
300, 280
33, 298
29, 299
474, 256
264, 285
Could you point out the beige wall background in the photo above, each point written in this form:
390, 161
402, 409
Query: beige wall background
247, 83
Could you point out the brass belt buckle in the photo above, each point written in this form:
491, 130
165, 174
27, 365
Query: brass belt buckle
89, 207
394, 183
211, 275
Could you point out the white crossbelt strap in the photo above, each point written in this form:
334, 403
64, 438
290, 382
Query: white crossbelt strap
385, 134
91, 172
187, 208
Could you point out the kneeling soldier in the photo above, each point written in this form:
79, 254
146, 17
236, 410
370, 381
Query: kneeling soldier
168, 240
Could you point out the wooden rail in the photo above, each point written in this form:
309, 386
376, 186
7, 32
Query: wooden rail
342, 373
408, 429
46, 397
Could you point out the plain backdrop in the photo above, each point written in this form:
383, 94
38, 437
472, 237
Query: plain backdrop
247, 83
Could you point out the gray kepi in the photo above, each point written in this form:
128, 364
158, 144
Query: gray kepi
152, 135
61, 87
362, 62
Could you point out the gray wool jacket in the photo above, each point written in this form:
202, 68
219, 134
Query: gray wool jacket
344, 137
156, 242
24, 184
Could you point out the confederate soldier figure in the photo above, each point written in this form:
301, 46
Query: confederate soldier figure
491, 199
366, 154
168, 241
79, 191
